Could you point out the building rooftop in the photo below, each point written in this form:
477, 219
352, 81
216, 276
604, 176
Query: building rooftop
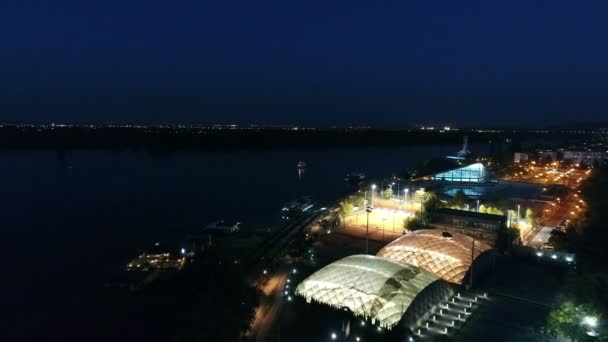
369, 286
470, 214
447, 255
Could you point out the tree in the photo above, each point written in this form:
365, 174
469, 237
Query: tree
414, 223
358, 201
387, 193
490, 210
460, 198
433, 202
346, 208
569, 319
532, 218
505, 239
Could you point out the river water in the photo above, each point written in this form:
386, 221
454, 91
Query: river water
70, 221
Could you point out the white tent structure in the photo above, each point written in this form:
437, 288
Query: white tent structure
447, 255
375, 288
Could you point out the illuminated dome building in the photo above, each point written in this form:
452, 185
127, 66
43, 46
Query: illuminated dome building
448, 255
385, 291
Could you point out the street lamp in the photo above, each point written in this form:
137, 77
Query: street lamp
368, 210
590, 321
405, 198
372, 201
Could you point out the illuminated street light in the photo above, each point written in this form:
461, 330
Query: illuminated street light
368, 210
334, 336
590, 321
372, 201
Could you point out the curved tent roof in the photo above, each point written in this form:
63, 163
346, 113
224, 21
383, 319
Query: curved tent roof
369, 286
448, 255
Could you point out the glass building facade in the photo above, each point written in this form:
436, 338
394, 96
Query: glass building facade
473, 173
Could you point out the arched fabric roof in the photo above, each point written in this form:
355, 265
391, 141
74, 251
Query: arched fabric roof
447, 255
369, 286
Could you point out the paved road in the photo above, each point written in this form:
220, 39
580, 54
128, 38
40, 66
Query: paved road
541, 237
268, 313
562, 213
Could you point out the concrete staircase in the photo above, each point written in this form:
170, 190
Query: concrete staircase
449, 316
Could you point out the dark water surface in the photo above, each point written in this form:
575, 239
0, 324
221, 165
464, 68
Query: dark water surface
70, 221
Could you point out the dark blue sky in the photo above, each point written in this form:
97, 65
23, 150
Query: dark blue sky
308, 62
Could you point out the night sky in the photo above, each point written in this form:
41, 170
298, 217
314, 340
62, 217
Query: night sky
305, 62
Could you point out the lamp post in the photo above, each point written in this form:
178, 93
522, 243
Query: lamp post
397, 189
472, 260
372, 201
368, 210
405, 198
478, 205
517, 221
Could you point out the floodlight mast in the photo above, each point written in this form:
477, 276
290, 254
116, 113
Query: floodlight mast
368, 210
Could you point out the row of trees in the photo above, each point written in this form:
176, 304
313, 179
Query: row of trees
583, 296
490, 210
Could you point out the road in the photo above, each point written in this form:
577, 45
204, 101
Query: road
560, 214
268, 313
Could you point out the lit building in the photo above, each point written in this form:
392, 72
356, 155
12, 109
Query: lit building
473, 173
583, 157
519, 157
159, 261
480, 226
385, 291
447, 255
546, 155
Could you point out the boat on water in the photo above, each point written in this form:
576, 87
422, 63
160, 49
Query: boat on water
301, 164
222, 227
297, 207
355, 177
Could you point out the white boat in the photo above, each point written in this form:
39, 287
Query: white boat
222, 227
300, 205
355, 177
